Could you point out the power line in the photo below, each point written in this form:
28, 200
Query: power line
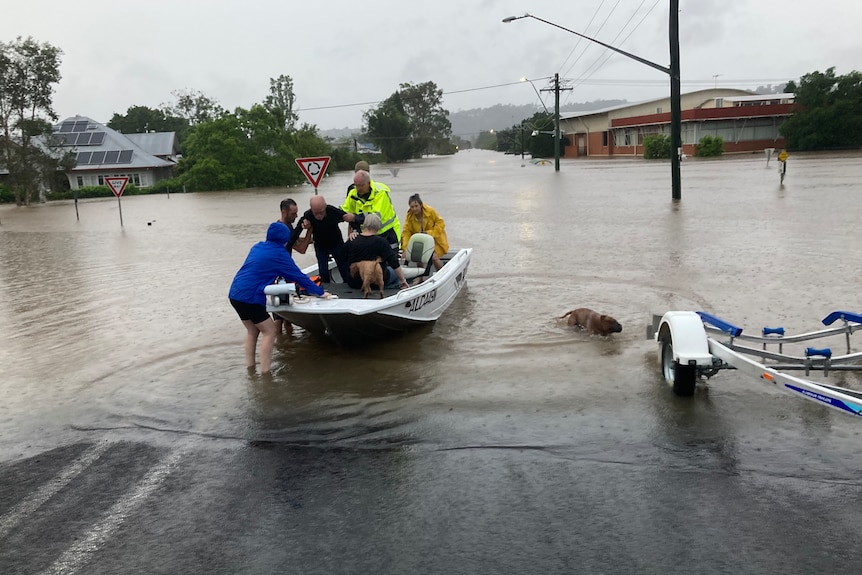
334, 106
579, 82
595, 66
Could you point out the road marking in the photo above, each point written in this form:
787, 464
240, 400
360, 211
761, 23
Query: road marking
43, 494
78, 554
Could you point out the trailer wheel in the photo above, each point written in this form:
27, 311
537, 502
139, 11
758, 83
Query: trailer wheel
682, 377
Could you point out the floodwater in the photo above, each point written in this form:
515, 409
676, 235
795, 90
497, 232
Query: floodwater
133, 440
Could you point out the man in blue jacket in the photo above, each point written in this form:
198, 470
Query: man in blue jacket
265, 262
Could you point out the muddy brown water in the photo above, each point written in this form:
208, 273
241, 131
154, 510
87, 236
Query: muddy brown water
496, 441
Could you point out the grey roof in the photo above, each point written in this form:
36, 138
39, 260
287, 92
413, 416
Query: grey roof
633, 104
108, 148
156, 143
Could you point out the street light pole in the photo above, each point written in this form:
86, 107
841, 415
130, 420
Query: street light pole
536, 90
672, 71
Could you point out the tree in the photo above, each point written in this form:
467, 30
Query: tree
388, 127
281, 100
216, 156
28, 71
410, 122
141, 119
247, 149
486, 140
539, 134
194, 106
429, 122
829, 113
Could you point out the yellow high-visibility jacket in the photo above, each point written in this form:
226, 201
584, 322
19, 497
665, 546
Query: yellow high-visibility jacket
378, 202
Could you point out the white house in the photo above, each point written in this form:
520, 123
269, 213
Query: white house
102, 152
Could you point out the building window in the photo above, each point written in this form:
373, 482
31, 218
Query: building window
719, 102
136, 179
658, 110
605, 139
101, 181
80, 180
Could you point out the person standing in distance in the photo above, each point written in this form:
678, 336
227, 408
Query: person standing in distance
370, 197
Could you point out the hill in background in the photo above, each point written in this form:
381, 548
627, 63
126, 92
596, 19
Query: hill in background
467, 124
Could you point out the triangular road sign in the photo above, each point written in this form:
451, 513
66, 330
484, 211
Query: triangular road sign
117, 185
313, 168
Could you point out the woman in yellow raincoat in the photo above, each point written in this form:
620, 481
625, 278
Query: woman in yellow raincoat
425, 219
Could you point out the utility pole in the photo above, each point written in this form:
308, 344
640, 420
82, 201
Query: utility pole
522, 139
672, 71
556, 90
675, 104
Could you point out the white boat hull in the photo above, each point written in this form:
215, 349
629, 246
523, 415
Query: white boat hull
351, 320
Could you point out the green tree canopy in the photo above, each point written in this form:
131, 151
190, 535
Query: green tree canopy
410, 122
829, 113
28, 72
388, 127
486, 140
250, 148
281, 100
141, 119
194, 106
429, 122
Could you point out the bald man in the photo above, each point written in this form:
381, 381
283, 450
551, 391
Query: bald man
323, 220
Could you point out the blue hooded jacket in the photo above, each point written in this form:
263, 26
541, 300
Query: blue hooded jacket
266, 261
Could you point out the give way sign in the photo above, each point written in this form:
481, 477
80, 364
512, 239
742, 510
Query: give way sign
313, 168
117, 185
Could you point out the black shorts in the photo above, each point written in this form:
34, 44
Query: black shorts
255, 313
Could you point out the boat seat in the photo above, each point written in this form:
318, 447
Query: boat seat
417, 256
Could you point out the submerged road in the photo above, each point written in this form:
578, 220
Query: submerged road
132, 439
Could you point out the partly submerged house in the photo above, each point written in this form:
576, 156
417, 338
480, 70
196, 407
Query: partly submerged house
744, 120
100, 151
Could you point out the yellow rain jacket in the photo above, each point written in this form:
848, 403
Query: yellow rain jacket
432, 224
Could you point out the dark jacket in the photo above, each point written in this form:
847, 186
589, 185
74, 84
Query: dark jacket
327, 233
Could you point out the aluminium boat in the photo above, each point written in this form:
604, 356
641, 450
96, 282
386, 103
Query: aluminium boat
349, 318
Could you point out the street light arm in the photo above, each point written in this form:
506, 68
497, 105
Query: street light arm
659, 67
525, 79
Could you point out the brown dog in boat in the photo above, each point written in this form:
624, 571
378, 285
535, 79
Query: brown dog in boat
593, 321
370, 272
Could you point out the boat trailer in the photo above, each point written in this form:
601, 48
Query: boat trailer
697, 345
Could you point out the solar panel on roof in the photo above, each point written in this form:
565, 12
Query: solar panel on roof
83, 139
67, 126
83, 158
80, 126
111, 157
70, 139
97, 158
97, 139
125, 157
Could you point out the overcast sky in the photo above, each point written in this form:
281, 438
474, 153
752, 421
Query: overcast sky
345, 56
